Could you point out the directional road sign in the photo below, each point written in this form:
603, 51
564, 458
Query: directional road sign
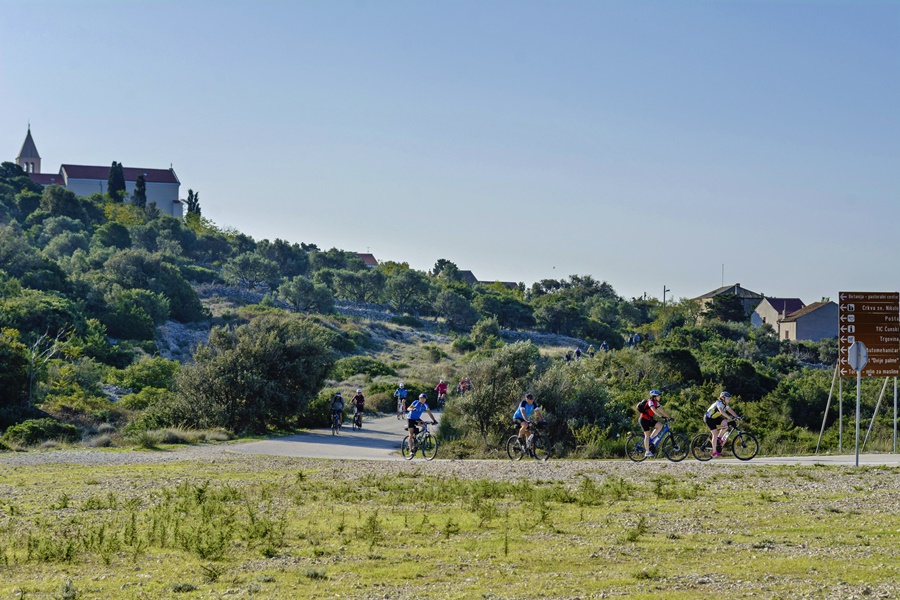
873, 319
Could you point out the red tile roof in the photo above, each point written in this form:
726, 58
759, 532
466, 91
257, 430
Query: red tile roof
47, 178
369, 259
131, 173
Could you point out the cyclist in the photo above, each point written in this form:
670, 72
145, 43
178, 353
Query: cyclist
715, 414
441, 389
337, 408
648, 409
523, 416
415, 415
400, 395
359, 403
590, 351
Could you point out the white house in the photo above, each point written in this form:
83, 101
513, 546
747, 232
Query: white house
162, 184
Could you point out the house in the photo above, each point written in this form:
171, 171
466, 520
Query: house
367, 258
162, 184
773, 310
813, 322
750, 300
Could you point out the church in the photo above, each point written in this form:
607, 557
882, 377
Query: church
162, 184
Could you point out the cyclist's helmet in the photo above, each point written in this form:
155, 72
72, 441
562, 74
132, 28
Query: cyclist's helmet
423, 397
359, 390
338, 394
442, 381
401, 384
655, 393
725, 396
529, 397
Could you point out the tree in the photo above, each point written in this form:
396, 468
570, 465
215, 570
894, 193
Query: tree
726, 307
306, 296
250, 270
497, 382
115, 183
255, 376
446, 270
459, 312
193, 202
406, 290
139, 198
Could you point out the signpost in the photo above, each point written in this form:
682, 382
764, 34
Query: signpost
868, 339
872, 318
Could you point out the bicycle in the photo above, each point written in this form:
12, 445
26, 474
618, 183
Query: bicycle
400, 408
538, 448
357, 419
674, 446
742, 444
423, 440
337, 418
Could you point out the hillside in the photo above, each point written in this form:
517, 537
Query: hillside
210, 329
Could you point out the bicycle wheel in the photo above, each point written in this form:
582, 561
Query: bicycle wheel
744, 446
676, 447
404, 449
514, 448
701, 447
540, 447
634, 447
333, 426
429, 446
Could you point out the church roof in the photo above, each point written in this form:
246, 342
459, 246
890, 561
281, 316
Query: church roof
131, 173
46, 178
29, 150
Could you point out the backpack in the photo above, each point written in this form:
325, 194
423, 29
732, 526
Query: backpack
642, 406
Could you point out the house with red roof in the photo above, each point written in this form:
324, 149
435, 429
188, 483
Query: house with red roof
162, 184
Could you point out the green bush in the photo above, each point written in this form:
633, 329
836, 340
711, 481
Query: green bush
197, 274
156, 372
463, 344
407, 321
148, 396
354, 365
35, 431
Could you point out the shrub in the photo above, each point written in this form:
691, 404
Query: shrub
149, 396
354, 365
156, 372
34, 431
407, 321
463, 344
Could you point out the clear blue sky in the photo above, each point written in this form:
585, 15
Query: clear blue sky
646, 143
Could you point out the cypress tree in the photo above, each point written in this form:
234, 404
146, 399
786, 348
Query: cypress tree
140, 192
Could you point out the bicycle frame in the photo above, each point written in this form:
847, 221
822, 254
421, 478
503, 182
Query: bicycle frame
676, 450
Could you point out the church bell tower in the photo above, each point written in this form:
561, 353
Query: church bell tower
28, 158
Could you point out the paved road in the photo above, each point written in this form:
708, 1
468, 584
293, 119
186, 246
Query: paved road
379, 439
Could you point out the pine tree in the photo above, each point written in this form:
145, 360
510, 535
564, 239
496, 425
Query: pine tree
140, 192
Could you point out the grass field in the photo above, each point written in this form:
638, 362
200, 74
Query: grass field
266, 527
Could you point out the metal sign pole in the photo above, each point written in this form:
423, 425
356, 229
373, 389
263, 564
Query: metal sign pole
840, 415
827, 406
858, 380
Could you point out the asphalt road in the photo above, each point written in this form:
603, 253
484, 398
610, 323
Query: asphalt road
380, 439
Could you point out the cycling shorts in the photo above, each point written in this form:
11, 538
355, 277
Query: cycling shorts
713, 422
647, 424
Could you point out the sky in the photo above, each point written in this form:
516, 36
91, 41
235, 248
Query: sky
655, 145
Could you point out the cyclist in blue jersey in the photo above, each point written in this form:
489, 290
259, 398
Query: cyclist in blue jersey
416, 409
400, 395
523, 415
